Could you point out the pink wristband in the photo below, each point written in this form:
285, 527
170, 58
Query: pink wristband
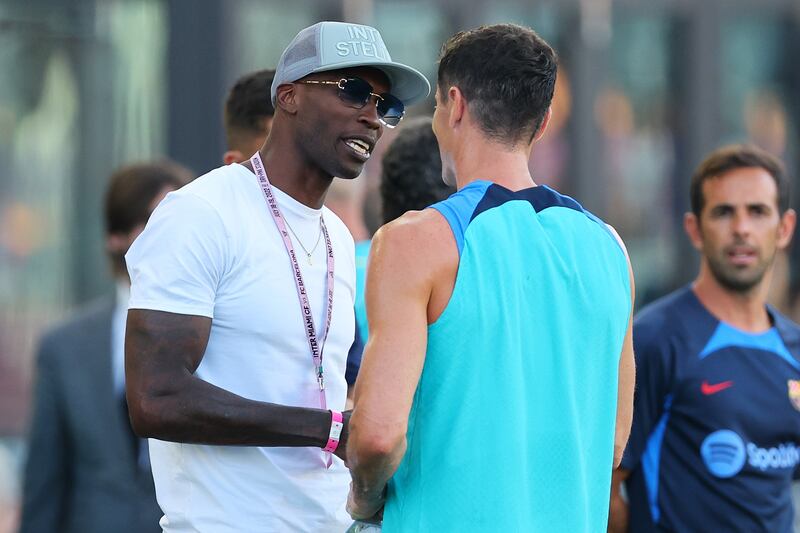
336, 432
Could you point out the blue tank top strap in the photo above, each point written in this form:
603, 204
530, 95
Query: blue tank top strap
540, 198
479, 196
458, 208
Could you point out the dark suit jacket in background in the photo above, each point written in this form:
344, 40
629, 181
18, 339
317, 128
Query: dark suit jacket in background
81, 475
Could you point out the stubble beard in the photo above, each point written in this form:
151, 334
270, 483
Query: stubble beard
735, 280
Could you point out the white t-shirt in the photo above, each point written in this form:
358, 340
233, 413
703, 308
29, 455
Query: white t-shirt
213, 249
118, 318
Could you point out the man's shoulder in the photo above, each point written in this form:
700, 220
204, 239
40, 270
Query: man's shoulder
784, 321
213, 199
414, 227
216, 184
665, 308
217, 188
88, 315
460, 208
788, 329
89, 321
664, 318
418, 239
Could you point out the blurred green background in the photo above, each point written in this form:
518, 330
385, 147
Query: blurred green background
645, 89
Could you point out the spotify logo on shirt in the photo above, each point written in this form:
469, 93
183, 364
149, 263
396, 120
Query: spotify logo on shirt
724, 454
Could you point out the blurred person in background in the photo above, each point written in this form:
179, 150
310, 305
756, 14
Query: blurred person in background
341, 200
9, 502
715, 442
373, 220
247, 115
499, 367
243, 287
411, 179
86, 471
411, 176
344, 199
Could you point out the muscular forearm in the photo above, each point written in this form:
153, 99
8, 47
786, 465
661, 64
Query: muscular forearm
372, 462
167, 400
370, 476
201, 413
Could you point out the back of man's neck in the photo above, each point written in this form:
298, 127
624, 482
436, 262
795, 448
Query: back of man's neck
506, 168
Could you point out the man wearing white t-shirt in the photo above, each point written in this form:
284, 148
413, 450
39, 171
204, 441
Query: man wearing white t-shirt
241, 309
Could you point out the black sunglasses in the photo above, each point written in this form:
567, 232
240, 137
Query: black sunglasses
356, 93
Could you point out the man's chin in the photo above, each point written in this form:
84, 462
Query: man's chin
349, 172
348, 178
739, 282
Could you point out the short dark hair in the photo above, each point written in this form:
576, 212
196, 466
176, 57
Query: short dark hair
507, 74
732, 157
131, 191
371, 209
247, 105
133, 188
412, 171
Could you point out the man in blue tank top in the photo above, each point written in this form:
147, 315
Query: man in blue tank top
716, 431
496, 388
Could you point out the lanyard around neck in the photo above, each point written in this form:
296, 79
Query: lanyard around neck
305, 307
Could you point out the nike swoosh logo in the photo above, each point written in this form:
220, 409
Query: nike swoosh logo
709, 389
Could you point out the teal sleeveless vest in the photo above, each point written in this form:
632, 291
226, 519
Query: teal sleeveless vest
512, 425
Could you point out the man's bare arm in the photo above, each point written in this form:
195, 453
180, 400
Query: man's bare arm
168, 402
627, 373
405, 261
625, 387
618, 508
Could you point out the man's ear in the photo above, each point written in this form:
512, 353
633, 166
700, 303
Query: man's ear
458, 106
691, 224
544, 124
233, 156
286, 98
786, 228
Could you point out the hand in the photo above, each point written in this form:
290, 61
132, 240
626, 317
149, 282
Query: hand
365, 509
341, 450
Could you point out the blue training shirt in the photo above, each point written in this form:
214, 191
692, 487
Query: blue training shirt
716, 425
512, 425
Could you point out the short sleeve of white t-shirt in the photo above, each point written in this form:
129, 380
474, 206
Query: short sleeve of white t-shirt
176, 264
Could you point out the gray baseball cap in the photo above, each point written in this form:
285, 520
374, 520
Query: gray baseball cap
338, 45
